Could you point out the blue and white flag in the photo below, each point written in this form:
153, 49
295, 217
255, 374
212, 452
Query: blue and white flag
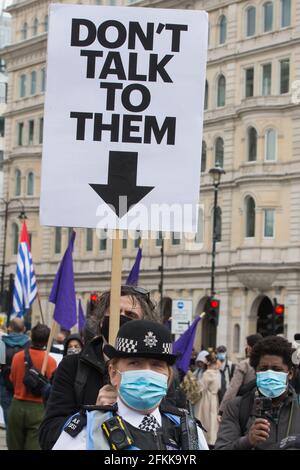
25, 289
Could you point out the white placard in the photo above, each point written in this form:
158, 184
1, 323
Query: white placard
182, 314
123, 116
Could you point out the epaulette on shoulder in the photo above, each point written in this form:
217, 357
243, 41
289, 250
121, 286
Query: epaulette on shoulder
166, 408
113, 408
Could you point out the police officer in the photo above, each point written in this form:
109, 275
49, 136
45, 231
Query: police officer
140, 369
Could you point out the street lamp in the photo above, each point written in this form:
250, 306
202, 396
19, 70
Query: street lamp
216, 174
22, 216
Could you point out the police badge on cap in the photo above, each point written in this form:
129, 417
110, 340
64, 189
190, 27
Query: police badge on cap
142, 338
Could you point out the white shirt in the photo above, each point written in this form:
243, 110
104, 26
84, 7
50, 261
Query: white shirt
134, 417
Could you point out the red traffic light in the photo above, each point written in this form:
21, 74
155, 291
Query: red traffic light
214, 303
279, 309
93, 297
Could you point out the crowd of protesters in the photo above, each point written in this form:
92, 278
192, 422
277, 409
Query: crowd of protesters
252, 404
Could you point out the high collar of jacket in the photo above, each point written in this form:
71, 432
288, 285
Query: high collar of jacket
93, 355
15, 339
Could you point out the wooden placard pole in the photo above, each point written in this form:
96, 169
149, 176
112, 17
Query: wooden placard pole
115, 289
40, 307
51, 336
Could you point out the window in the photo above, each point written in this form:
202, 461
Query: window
219, 152
218, 227
221, 91
43, 80
35, 27
249, 90
1, 126
266, 79
24, 31
159, 239
268, 16
284, 76
203, 157
89, 239
223, 29
200, 227
30, 132
269, 223
250, 21
33, 83
46, 24
285, 13
17, 183
70, 231
124, 243
250, 217
22, 86
41, 127
57, 246
175, 238
236, 338
20, 127
103, 240
270, 145
137, 239
206, 95
30, 184
252, 144
15, 238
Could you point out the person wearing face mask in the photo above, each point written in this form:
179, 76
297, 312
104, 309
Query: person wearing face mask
73, 344
81, 379
226, 370
140, 370
265, 416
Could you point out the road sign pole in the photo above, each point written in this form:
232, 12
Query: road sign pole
115, 289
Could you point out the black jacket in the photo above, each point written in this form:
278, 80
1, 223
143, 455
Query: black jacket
63, 401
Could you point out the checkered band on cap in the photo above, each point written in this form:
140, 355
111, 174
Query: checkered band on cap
167, 348
126, 345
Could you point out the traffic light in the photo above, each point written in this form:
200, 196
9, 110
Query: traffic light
265, 322
94, 299
212, 310
279, 318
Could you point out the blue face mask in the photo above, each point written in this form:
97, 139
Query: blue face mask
221, 356
271, 384
142, 389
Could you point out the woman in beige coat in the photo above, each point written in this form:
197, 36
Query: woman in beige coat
206, 409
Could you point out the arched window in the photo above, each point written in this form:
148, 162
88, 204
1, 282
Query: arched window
30, 184
218, 228
203, 157
57, 241
250, 21
206, 95
250, 217
219, 152
46, 24
252, 144
24, 31
17, 183
15, 238
35, 26
270, 145
33, 83
268, 16
89, 239
236, 338
221, 91
22, 85
223, 29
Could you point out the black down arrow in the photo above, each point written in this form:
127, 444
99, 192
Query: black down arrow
121, 191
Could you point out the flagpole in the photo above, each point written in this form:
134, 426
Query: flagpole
40, 306
115, 290
51, 337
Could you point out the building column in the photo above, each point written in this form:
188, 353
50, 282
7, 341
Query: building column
223, 333
292, 313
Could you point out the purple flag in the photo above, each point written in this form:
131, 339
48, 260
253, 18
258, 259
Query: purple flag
63, 290
184, 345
81, 317
133, 277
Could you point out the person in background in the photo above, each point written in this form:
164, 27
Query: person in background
243, 376
58, 344
201, 364
27, 410
226, 370
206, 409
15, 341
73, 344
269, 413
